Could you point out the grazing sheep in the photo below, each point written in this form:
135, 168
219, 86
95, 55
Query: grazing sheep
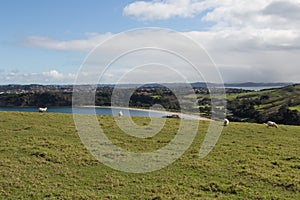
43, 109
226, 122
120, 114
270, 123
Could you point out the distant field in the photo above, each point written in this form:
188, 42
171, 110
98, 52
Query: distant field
42, 157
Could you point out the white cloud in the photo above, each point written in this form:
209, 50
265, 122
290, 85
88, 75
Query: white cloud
49, 77
92, 40
257, 14
162, 10
225, 13
53, 74
241, 54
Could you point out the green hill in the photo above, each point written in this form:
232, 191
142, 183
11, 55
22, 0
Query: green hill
42, 157
281, 105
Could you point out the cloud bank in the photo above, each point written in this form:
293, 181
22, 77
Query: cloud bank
224, 13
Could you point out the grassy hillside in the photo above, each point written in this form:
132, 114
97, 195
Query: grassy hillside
42, 157
280, 104
272, 99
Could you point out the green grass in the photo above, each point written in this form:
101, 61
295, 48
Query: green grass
295, 108
42, 157
232, 96
156, 96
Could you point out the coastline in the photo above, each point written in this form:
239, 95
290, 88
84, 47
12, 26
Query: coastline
182, 115
162, 112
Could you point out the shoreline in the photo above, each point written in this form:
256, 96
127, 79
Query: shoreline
182, 115
163, 112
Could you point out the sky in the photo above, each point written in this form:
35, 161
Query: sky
53, 42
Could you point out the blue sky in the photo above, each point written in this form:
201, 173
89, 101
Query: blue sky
65, 20
242, 39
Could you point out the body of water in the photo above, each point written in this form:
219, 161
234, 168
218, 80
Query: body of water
100, 111
105, 111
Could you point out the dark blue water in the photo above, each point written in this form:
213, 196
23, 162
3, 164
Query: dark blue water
100, 111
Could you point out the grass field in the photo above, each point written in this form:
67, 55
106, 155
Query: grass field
295, 108
42, 157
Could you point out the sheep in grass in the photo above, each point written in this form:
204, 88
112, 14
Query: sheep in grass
120, 114
226, 122
272, 124
43, 109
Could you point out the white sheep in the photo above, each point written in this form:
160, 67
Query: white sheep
43, 109
270, 123
120, 114
226, 122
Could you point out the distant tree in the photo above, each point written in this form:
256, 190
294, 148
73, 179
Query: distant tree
286, 116
264, 97
243, 109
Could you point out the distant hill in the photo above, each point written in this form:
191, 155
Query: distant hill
280, 104
252, 84
205, 85
242, 85
37, 87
